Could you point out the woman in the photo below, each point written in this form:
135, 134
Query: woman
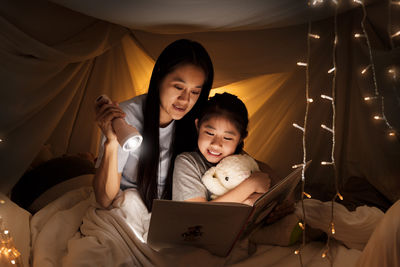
179, 86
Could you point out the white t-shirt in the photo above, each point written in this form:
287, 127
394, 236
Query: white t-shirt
128, 161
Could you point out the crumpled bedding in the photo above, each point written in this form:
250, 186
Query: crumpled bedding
74, 231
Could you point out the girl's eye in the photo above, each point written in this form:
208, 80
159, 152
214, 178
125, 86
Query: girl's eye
228, 138
195, 92
208, 133
178, 87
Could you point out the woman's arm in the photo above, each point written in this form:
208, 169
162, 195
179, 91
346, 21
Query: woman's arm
107, 180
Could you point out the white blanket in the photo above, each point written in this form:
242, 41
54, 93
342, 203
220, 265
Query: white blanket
73, 231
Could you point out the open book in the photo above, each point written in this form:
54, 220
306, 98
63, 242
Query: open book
215, 226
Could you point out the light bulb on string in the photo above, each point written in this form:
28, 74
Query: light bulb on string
365, 69
377, 117
331, 70
303, 64
315, 36
369, 98
395, 34
323, 126
327, 97
310, 100
358, 35
307, 195
298, 126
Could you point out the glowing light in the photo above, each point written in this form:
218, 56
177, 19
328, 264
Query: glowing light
297, 252
297, 166
302, 226
6, 232
316, 2
310, 100
368, 98
326, 128
358, 2
323, 254
326, 163
340, 196
315, 36
376, 117
2, 201
327, 97
298, 127
12, 261
358, 35
301, 64
335, 1
396, 34
395, 3
365, 69
392, 134
331, 70
307, 195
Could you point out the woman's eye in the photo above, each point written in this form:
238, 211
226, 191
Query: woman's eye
195, 92
178, 87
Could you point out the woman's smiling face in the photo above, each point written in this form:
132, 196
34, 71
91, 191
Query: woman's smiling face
179, 91
218, 138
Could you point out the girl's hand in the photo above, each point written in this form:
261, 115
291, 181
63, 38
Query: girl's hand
105, 113
261, 182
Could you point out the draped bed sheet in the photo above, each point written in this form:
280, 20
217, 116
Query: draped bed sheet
74, 231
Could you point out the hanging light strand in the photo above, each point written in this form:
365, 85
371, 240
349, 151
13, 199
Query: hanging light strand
376, 89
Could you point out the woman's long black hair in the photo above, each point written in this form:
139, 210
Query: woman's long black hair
176, 54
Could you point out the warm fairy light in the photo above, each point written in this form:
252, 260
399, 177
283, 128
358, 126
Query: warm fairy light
6, 232
395, 3
326, 128
1, 140
376, 117
302, 226
326, 163
315, 36
395, 34
358, 35
301, 64
307, 195
12, 261
327, 97
323, 254
365, 69
335, 1
333, 228
368, 98
331, 70
297, 166
316, 2
298, 127
358, 2
340, 196
392, 133
2, 201
310, 100
297, 252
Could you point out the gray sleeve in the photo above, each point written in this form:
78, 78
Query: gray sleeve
187, 179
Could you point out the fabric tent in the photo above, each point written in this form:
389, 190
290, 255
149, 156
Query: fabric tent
58, 56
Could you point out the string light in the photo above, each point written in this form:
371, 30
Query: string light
303, 64
7, 249
310, 100
297, 166
302, 225
327, 162
376, 90
358, 35
331, 70
365, 69
358, 2
298, 127
368, 98
340, 196
307, 195
326, 128
315, 36
327, 97
395, 34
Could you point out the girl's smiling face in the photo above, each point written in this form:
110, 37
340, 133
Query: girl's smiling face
218, 138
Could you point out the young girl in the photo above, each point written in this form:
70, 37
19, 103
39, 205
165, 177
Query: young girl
222, 127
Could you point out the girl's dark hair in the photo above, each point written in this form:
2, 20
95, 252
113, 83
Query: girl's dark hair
176, 54
230, 107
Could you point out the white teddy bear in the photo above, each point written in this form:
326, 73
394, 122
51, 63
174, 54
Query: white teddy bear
228, 173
